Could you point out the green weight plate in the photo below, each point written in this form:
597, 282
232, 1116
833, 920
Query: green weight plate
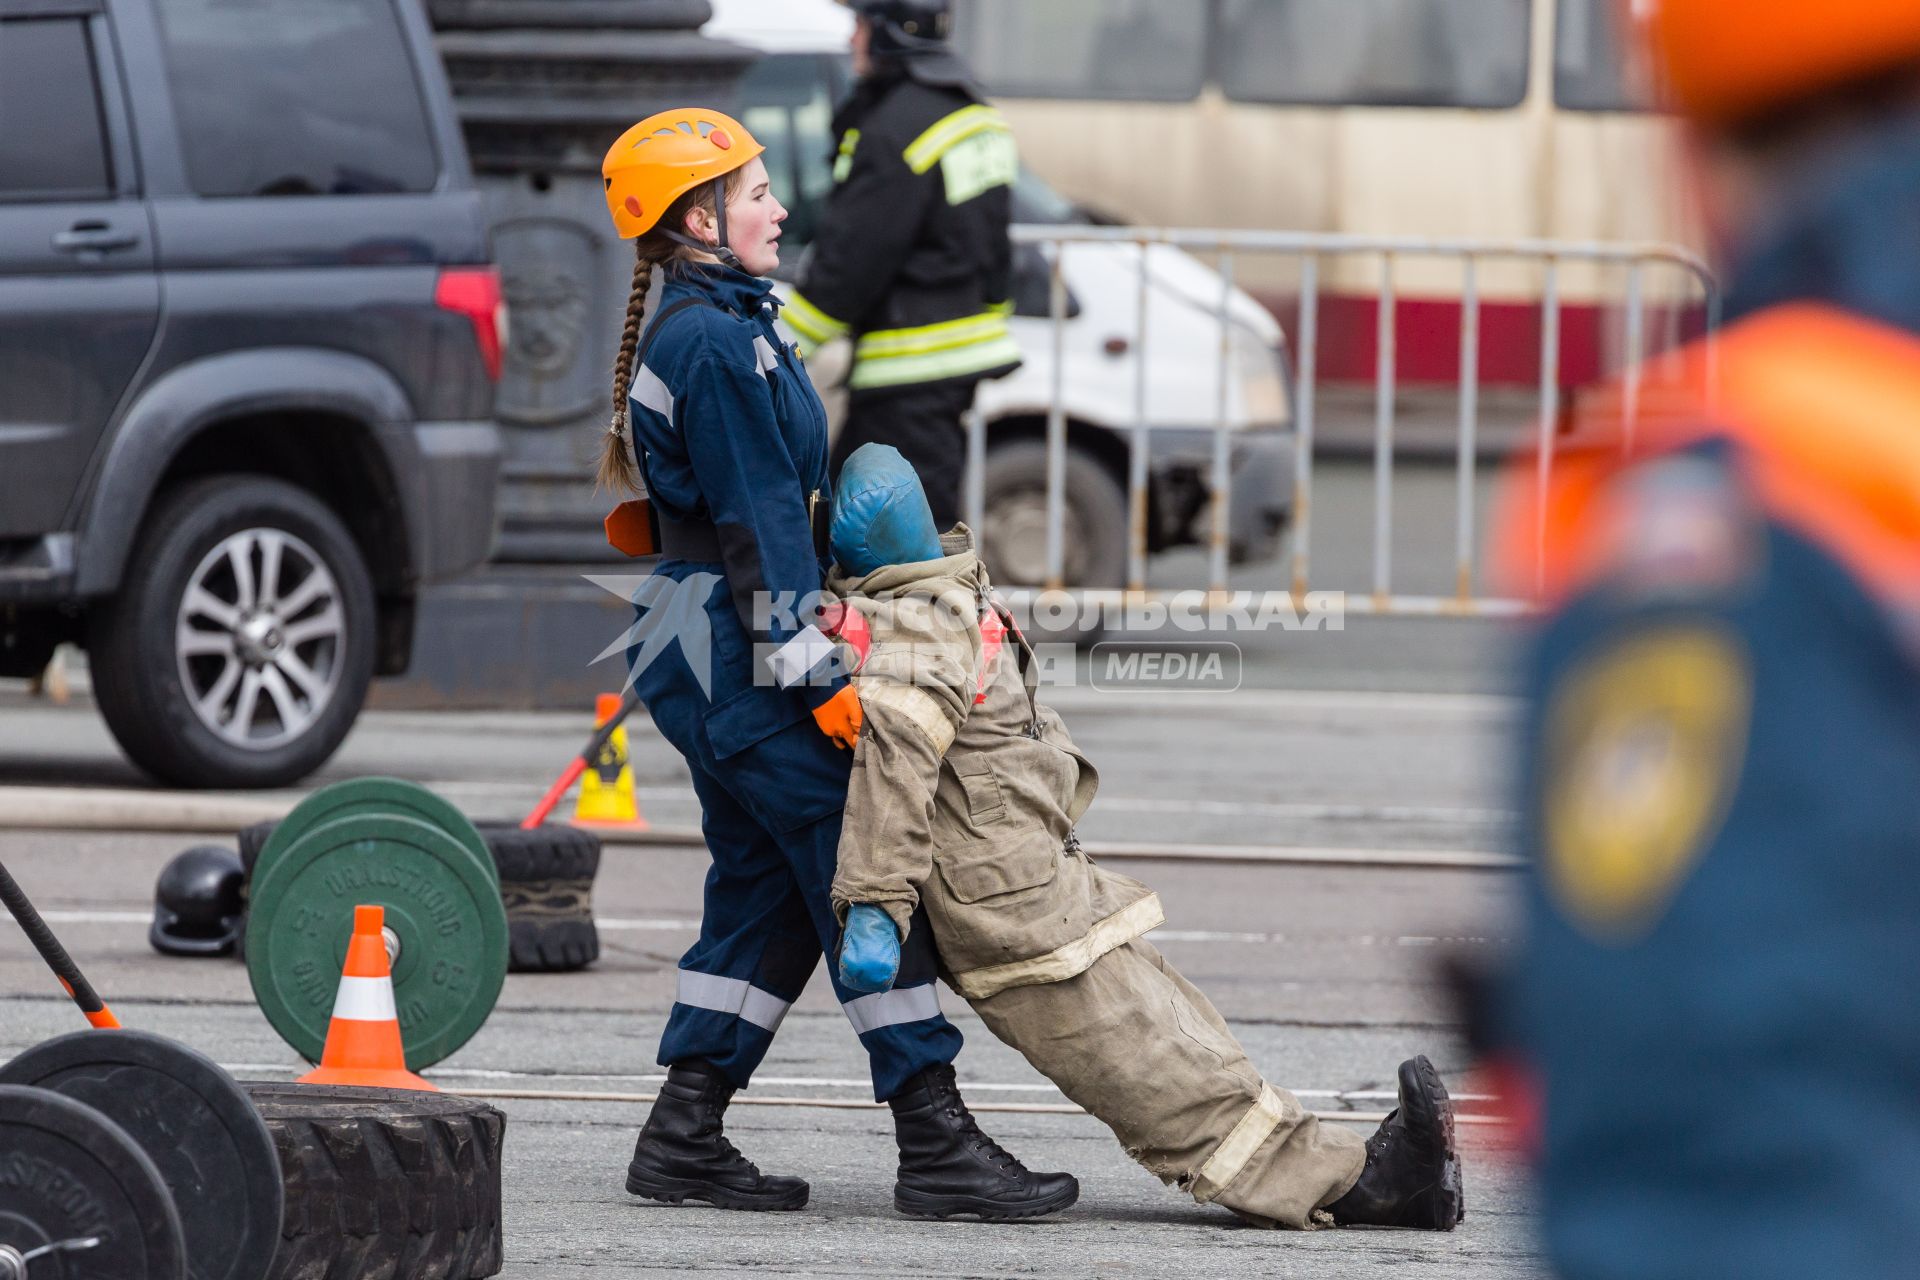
444, 910
393, 797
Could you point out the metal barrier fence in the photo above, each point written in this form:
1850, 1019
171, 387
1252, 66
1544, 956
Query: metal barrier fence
1309, 249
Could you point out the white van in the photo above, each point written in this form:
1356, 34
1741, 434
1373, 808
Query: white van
787, 101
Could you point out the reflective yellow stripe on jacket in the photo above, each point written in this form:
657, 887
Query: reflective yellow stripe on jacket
950, 349
944, 134
974, 149
843, 159
811, 326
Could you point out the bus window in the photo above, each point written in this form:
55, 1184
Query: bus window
1591, 67
1108, 49
1379, 53
787, 106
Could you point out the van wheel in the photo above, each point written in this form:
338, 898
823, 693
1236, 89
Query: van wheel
238, 650
1014, 539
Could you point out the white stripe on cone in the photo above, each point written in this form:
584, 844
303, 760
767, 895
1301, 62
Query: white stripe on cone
365, 1000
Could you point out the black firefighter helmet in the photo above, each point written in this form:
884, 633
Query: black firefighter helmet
197, 902
903, 28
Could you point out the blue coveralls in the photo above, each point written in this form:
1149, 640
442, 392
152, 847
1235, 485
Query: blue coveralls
730, 431
1721, 804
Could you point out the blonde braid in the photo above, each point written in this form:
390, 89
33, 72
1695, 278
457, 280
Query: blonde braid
618, 471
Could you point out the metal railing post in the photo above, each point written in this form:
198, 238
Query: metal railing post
1057, 426
1383, 409
1469, 422
1137, 456
1308, 365
1549, 409
1220, 479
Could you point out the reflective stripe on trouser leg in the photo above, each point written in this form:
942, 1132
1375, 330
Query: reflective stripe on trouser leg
903, 1029
893, 1008
756, 950
736, 996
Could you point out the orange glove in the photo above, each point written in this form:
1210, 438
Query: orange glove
839, 718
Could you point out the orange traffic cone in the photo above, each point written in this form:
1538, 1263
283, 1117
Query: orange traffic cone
363, 1040
606, 786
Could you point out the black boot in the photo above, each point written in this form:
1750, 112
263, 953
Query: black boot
949, 1167
1412, 1176
683, 1155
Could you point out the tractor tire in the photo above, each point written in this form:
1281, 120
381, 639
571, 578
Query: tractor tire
384, 1184
546, 882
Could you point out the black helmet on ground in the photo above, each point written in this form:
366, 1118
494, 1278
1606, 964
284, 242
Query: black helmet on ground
197, 902
902, 28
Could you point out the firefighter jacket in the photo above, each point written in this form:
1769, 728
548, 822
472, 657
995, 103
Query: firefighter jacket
965, 789
912, 258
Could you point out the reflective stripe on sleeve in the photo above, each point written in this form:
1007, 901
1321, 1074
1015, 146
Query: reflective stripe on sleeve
736, 996
652, 393
916, 705
843, 160
925, 151
1068, 960
892, 1008
809, 323
793, 660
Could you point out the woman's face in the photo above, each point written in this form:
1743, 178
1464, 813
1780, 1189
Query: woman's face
753, 222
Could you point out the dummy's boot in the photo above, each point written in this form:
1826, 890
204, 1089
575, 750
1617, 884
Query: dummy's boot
682, 1154
949, 1167
1412, 1175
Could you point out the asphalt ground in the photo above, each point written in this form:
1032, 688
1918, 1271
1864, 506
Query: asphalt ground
1326, 973
1384, 736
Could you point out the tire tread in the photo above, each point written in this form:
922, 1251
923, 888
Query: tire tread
382, 1184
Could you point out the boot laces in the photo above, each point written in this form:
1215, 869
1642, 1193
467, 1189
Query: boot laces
716, 1128
1385, 1138
977, 1139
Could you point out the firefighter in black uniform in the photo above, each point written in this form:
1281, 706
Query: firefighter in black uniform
912, 259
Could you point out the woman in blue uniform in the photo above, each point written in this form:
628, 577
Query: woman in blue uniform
715, 420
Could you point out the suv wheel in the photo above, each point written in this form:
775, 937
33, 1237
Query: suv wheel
1013, 540
238, 650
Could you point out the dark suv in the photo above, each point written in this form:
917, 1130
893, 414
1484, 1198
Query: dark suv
249, 332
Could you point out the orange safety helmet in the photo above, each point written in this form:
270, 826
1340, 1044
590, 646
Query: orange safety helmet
1729, 61
667, 155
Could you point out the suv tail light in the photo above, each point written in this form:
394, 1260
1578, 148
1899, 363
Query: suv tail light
474, 292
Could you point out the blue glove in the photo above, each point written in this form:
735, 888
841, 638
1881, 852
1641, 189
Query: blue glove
870, 953
880, 513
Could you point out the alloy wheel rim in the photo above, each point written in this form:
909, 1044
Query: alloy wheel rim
259, 638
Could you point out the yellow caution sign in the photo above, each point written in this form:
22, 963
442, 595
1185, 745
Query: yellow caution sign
606, 786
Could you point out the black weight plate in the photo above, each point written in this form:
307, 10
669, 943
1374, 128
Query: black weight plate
212, 1148
67, 1173
371, 796
444, 909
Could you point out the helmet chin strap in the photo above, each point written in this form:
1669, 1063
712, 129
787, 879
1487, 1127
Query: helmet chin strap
719, 249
